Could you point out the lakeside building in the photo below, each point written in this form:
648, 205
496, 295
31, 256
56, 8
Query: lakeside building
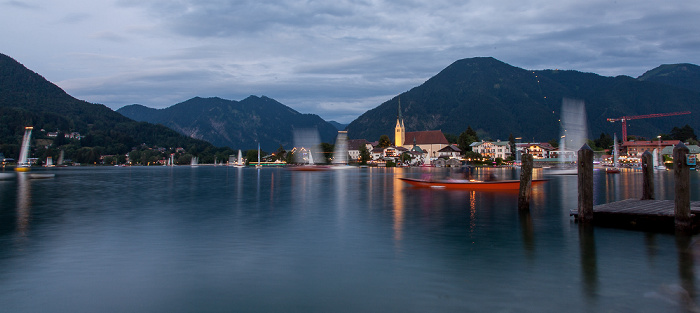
491, 149
538, 150
451, 151
354, 148
692, 149
635, 148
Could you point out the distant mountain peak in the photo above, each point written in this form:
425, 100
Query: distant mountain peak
682, 75
498, 99
236, 124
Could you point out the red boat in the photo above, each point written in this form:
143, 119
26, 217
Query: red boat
612, 170
309, 168
468, 184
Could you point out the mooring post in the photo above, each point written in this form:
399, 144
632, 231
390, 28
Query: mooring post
681, 174
648, 174
585, 184
525, 183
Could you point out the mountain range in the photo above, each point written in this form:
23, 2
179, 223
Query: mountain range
237, 124
494, 98
28, 99
497, 99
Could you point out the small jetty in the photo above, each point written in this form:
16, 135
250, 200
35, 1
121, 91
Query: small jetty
650, 215
647, 214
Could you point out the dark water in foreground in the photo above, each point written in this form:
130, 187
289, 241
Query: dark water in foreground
217, 239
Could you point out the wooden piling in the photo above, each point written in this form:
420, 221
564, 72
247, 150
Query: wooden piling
525, 183
585, 184
681, 173
648, 176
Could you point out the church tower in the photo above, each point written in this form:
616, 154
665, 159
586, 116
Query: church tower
399, 130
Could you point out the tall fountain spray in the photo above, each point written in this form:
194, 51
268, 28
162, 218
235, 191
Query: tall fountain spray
574, 131
340, 153
309, 139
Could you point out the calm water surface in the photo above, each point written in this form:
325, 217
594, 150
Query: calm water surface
218, 239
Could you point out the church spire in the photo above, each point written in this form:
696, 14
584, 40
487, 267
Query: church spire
399, 130
399, 116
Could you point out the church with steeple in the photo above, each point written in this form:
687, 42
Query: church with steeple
399, 130
429, 141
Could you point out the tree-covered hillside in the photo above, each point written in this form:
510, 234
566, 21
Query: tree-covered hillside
236, 124
497, 99
27, 99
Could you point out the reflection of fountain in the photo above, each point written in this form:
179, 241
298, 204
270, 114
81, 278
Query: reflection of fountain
24, 202
589, 263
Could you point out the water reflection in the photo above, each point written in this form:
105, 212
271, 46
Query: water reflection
330, 244
589, 262
24, 203
398, 206
472, 212
686, 271
341, 194
528, 233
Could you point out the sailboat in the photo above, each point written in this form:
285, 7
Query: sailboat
23, 162
310, 166
615, 169
258, 165
194, 162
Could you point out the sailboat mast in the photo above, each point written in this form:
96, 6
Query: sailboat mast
615, 153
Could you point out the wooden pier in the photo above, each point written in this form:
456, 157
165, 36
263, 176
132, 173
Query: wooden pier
648, 215
678, 215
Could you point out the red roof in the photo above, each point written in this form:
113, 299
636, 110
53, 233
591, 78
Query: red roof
426, 137
354, 144
638, 143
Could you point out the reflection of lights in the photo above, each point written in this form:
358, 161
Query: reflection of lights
398, 209
24, 202
472, 211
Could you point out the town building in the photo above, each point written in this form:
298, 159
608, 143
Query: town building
491, 149
692, 149
538, 150
451, 151
635, 148
354, 148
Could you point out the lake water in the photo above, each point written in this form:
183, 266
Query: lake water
221, 239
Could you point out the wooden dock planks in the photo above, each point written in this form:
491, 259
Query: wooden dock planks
653, 215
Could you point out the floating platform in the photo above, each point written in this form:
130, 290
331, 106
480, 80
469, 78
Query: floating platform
645, 215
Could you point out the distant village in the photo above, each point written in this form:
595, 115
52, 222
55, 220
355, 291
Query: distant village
417, 148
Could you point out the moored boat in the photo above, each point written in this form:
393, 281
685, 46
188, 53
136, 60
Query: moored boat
612, 170
468, 184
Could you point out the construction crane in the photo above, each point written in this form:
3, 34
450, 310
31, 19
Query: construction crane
624, 120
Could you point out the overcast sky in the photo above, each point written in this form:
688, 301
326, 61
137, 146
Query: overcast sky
334, 58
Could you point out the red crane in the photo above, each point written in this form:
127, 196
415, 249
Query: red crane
624, 120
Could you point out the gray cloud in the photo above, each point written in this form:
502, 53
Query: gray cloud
335, 58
